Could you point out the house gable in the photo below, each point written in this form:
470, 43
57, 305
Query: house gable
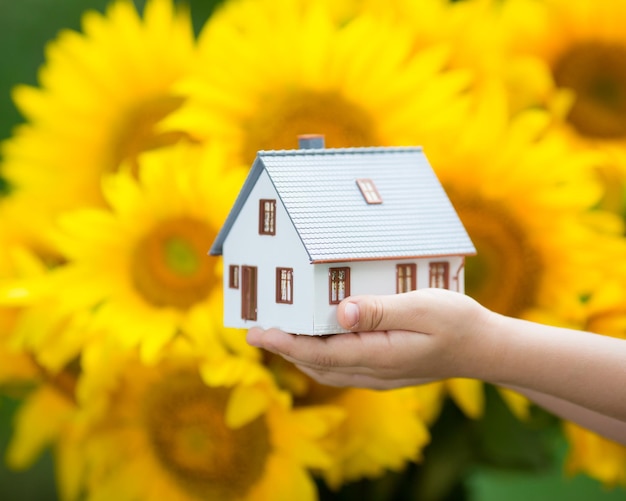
246, 247
244, 193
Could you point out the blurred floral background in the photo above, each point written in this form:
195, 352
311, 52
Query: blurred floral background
127, 129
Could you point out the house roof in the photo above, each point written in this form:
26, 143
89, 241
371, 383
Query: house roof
319, 192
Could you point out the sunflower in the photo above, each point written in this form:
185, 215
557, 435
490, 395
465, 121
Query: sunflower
359, 82
584, 44
578, 50
526, 198
381, 431
140, 269
165, 434
101, 93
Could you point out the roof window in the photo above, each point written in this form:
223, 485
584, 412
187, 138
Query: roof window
369, 191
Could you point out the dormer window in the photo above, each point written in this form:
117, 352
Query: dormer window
267, 217
369, 191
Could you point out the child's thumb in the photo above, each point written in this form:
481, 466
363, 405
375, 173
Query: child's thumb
378, 313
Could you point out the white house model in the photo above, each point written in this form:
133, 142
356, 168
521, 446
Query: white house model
314, 225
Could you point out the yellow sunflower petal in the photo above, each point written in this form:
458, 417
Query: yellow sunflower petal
468, 394
293, 483
141, 269
519, 405
596, 456
246, 403
173, 431
33, 431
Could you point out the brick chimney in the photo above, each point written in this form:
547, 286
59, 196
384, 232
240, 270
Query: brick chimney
310, 141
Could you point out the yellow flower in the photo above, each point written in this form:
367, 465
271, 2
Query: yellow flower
101, 94
585, 47
165, 434
594, 455
359, 82
380, 431
142, 268
525, 198
576, 49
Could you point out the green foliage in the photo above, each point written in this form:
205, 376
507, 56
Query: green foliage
5, 188
36, 483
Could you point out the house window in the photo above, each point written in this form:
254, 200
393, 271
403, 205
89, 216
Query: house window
369, 191
406, 277
439, 274
233, 276
338, 284
267, 217
284, 285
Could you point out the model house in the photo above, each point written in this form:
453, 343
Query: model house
314, 225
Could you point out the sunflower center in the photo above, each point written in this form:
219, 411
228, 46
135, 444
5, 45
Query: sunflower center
289, 114
596, 71
138, 134
504, 274
181, 257
186, 428
170, 266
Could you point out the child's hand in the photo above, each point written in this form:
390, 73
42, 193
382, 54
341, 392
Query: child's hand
397, 340
420, 336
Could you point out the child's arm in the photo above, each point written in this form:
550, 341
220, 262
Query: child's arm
432, 334
609, 427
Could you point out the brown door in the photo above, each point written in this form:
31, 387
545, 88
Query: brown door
248, 292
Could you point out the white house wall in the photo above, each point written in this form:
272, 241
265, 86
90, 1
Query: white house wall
374, 277
245, 247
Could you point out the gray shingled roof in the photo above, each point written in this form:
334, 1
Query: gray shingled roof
319, 191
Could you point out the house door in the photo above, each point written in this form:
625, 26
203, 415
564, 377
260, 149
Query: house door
248, 292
